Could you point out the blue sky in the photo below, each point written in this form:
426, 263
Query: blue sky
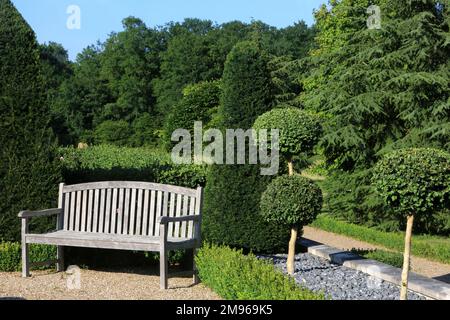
48, 18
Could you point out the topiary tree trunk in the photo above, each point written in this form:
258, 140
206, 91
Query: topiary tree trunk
294, 234
406, 258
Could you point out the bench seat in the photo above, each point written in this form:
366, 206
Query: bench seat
107, 241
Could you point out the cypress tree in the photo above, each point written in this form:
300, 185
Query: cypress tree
233, 192
28, 171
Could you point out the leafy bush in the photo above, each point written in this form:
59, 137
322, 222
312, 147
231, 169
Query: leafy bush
299, 131
414, 181
292, 201
10, 255
106, 163
112, 132
235, 276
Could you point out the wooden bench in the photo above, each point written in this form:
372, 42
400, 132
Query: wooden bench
135, 216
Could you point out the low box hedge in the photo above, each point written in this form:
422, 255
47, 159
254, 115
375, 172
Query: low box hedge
235, 276
10, 255
112, 163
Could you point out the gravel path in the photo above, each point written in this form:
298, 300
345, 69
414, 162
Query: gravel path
427, 268
339, 282
100, 285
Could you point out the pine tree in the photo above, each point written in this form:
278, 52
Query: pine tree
233, 192
28, 171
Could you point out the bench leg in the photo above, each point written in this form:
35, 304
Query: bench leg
25, 260
163, 269
195, 279
60, 259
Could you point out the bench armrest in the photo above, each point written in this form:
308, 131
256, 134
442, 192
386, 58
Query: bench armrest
166, 220
41, 213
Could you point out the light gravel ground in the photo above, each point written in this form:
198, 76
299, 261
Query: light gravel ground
101, 285
427, 268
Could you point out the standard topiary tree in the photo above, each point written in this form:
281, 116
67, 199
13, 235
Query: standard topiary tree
293, 202
233, 192
29, 172
299, 131
413, 182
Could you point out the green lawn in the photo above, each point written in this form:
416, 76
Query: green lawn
430, 247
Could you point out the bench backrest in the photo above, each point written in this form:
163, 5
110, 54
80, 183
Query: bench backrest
128, 208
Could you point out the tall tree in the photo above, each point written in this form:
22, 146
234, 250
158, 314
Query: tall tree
56, 68
28, 170
82, 98
129, 63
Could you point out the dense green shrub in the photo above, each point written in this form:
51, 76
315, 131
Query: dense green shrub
10, 253
292, 201
109, 163
414, 181
299, 131
231, 213
29, 172
198, 104
235, 276
112, 132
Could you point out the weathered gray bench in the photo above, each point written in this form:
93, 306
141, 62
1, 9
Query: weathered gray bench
135, 216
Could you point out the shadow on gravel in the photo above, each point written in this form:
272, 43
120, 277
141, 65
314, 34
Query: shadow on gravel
12, 298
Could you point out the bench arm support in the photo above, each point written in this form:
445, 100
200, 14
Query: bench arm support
41, 213
166, 220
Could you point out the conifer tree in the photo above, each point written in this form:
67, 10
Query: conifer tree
28, 171
233, 192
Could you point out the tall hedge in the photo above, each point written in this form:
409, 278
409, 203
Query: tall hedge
28, 171
233, 191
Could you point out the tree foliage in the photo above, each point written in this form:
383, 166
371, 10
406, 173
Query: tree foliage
292, 201
299, 131
414, 181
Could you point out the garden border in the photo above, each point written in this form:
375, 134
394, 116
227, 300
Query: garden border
431, 288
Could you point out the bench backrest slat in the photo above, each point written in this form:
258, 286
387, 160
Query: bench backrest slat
127, 208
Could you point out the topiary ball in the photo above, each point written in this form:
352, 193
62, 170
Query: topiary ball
414, 181
299, 131
294, 201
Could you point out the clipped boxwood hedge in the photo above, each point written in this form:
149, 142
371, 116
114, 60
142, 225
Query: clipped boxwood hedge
10, 253
112, 163
235, 276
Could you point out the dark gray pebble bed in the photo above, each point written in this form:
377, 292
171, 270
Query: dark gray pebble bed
338, 282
